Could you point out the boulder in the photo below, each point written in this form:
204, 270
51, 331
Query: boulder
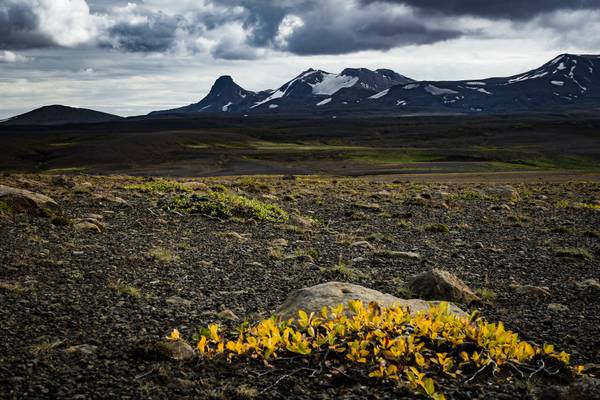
505, 193
331, 294
24, 201
438, 284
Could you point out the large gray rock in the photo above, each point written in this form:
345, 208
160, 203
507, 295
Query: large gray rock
506, 193
438, 284
331, 294
24, 201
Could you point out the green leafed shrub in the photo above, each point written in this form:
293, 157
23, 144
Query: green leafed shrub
225, 205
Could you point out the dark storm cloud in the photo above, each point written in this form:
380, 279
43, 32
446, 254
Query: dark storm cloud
376, 33
330, 27
19, 27
323, 26
157, 33
511, 9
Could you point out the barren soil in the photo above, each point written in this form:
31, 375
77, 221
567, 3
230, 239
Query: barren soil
61, 287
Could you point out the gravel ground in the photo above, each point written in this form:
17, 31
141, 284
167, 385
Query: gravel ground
149, 271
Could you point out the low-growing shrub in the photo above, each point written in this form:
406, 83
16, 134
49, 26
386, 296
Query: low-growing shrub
389, 344
566, 204
441, 228
225, 205
470, 195
163, 255
158, 186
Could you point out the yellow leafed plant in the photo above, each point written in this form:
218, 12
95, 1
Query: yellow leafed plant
389, 343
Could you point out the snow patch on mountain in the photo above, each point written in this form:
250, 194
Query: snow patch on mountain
380, 94
322, 103
225, 108
476, 83
332, 83
411, 86
273, 106
527, 77
558, 83
436, 91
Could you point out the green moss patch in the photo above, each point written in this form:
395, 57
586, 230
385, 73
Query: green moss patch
5, 208
159, 186
224, 205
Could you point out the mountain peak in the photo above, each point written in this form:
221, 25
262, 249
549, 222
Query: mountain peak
57, 114
224, 81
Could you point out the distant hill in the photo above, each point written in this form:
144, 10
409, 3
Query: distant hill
567, 83
58, 115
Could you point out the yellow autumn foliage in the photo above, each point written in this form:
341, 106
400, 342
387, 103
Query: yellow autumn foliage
390, 343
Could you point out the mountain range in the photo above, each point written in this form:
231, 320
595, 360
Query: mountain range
567, 83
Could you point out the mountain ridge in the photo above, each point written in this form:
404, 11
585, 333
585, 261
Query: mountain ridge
567, 82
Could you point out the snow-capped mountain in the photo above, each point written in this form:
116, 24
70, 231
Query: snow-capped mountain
308, 89
224, 96
567, 82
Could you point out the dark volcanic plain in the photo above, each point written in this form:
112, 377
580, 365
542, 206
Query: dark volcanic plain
217, 145
114, 289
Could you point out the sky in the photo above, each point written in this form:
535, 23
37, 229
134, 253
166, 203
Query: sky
133, 57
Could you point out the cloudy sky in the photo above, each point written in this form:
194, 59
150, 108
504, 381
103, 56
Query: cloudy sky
132, 57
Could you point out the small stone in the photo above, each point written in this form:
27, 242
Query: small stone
59, 180
557, 307
86, 349
410, 255
529, 290
441, 285
86, 226
183, 384
175, 350
363, 243
257, 264
227, 315
178, 301
279, 243
205, 264
588, 284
